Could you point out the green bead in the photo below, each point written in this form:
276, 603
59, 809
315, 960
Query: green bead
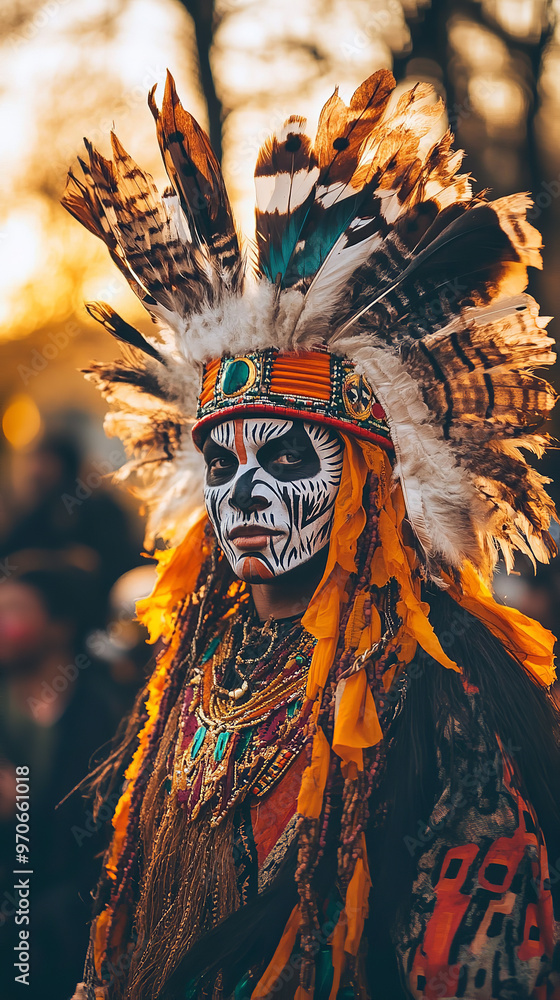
198, 741
243, 742
221, 744
211, 649
300, 659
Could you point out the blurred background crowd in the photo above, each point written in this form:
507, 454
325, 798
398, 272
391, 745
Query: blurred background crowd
71, 655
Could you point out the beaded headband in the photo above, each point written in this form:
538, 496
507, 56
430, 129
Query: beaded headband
312, 385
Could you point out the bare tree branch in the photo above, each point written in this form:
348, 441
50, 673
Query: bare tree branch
205, 21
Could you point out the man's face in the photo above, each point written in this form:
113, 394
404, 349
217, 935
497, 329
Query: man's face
270, 491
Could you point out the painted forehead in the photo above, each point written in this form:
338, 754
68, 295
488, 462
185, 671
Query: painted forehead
253, 431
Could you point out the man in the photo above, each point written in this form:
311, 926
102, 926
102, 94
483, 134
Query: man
341, 779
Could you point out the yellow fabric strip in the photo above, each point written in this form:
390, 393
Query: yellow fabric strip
122, 810
349, 929
177, 573
357, 906
280, 958
314, 778
524, 638
356, 722
100, 937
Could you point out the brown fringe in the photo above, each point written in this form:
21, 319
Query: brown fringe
189, 881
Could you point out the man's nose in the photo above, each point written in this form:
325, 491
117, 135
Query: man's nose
243, 498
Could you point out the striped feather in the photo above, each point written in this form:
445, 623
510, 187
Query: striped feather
122, 205
340, 189
120, 329
196, 177
285, 179
393, 166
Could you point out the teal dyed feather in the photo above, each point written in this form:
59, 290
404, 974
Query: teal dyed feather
285, 180
308, 197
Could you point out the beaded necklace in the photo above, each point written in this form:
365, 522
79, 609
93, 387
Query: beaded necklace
239, 738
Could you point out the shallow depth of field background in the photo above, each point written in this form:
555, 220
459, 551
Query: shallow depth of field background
69, 541
73, 68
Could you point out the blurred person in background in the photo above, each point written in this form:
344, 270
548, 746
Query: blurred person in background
57, 707
53, 504
121, 645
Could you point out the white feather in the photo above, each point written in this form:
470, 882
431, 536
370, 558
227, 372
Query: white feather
331, 279
446, 512
283, 191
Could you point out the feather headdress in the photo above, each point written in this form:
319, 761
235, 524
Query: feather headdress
387, 299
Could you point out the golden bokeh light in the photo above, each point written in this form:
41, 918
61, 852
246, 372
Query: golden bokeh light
21, 422
498, 99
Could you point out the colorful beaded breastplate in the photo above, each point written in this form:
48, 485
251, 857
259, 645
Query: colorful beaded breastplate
242, 718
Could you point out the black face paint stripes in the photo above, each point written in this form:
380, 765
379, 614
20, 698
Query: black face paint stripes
275, 481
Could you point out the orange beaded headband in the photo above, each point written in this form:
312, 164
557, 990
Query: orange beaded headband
310, 385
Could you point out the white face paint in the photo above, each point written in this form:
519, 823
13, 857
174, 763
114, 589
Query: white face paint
270, 491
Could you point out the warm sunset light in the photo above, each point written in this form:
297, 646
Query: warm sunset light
279, 495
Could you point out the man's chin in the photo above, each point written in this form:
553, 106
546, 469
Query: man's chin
253, 568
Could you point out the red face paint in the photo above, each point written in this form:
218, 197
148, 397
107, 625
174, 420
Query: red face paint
253, 569
240, 443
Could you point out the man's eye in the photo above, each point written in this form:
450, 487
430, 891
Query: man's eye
288, 458
220, 464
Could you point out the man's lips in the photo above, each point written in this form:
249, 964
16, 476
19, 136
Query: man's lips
253, 537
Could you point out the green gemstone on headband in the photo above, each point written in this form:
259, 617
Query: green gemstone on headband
239, 374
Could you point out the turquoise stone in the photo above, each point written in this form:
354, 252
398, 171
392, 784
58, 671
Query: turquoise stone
198, 741
235, 377
211, 649
244, 988
294, 707
221, 745
243, 743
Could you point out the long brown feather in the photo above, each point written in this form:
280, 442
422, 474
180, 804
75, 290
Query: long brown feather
195, 175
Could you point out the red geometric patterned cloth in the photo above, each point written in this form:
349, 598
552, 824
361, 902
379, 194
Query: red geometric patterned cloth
481, 924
